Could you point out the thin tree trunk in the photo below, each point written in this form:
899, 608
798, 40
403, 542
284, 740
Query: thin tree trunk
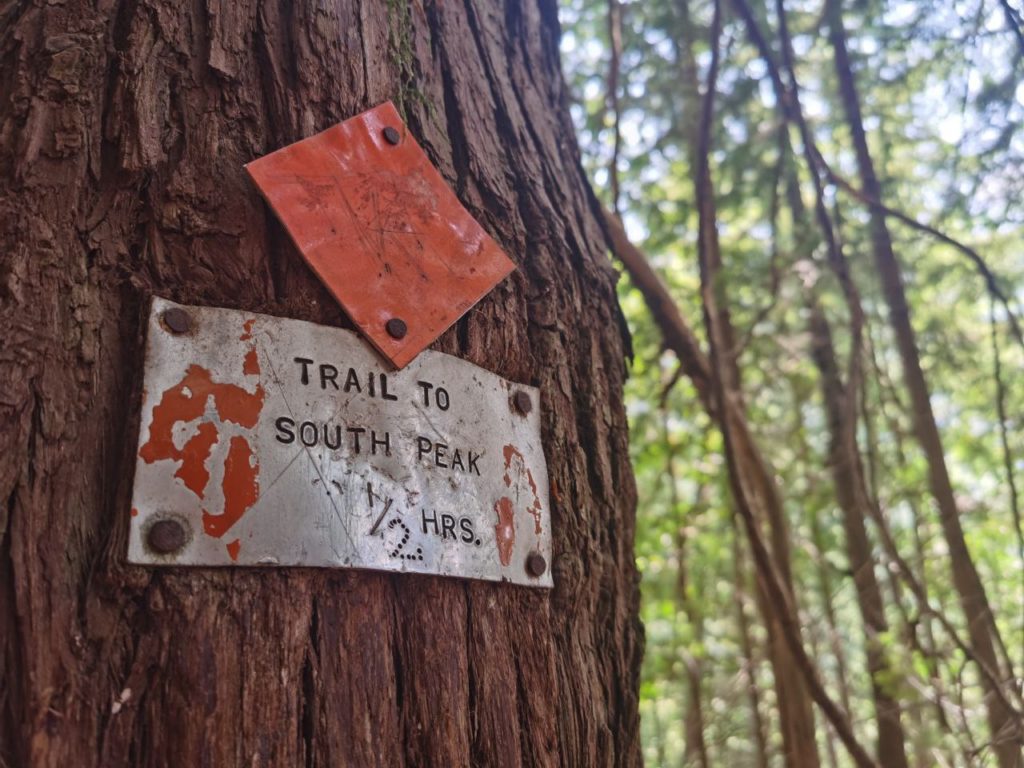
1008, 460
614, 71
747, 645
802, 680
918, 632
825, 590
753, 485
696, 750
854, 499
1006, 731
794, 704
854, 502
123, 131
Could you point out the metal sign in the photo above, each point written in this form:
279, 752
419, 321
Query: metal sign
267, 441
382, 230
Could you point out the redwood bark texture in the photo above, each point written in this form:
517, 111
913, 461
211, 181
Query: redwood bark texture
124, 126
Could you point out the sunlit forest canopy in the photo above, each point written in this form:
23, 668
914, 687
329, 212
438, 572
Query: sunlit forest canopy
832, 195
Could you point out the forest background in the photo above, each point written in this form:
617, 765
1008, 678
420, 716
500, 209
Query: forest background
822, 208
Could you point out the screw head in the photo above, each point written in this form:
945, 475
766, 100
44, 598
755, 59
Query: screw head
392, 136
536, 564
396, 328
166, 536
522, 402
177, 320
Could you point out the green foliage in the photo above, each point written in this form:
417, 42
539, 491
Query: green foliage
943, 101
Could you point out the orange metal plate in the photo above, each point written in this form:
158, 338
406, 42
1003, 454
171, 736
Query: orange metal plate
382, 229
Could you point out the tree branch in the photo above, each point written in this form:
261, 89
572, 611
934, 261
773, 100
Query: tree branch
991, 281
612, 94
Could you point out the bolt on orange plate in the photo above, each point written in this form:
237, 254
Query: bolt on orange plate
382, 230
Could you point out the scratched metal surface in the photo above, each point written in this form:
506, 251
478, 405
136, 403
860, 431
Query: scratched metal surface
381, 228
226, 453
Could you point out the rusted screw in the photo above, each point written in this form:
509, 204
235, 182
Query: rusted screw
536, 564
392, 136
396, 328
522, 402
166, 536
177, 320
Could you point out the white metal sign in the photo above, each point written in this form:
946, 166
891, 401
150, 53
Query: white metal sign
267, 441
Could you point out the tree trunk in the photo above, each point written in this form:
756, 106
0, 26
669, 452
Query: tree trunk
696, 750
747, 646
1007, 735
796, 716
123, 131
831, 630
851, 489
853, 497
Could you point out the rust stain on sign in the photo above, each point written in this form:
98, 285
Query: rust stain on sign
184, 407
382, 229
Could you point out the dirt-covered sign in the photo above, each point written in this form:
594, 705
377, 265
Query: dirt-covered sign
274, 442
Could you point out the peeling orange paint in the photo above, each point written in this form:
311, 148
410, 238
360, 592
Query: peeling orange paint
193, 472
247, 329
241, 488
505, 530
135, 512
185, 403
234, 547
511, 453
251, 367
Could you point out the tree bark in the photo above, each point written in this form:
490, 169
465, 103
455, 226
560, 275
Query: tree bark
1006, 730
124, 127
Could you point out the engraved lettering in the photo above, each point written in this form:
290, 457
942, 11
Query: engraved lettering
337, 437
432, 520
328, 373
426, 386
384, 443
441, 398
305, 362
384, 388
352, 381
457, 460
423, 445
307, 428
445, 456
284, 430
356, 432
